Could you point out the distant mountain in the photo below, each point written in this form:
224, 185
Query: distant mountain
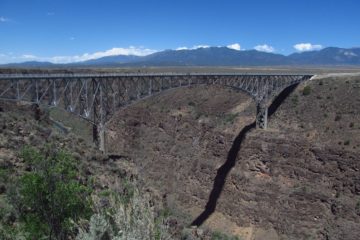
29, 64
111, 60
217, 56
213, 56
328, 56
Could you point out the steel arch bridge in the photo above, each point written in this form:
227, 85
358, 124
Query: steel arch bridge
96, 97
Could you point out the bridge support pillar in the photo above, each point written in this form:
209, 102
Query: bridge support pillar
102, 138
99, 136
261, 116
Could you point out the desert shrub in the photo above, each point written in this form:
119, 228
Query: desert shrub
198, 115
306, 91
230, 118
351, 124
7, 218
337, 118
50, 198
131, 219
191, 103
347, 142
295, 99
127, 192
186, 234
222, 236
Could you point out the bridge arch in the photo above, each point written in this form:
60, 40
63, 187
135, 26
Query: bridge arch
96, 97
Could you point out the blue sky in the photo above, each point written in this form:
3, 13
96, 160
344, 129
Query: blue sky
75, 30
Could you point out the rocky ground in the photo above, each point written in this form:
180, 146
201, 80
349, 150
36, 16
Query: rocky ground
299, 179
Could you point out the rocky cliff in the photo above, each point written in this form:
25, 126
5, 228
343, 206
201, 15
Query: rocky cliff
299, 179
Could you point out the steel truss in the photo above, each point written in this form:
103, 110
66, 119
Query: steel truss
96, 97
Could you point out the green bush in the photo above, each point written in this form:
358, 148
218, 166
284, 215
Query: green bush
50, 197
127, 193
306, 90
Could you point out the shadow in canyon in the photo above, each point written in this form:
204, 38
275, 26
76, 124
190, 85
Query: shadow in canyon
224, 170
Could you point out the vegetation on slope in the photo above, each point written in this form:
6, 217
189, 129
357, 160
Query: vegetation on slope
49, 198
64, 189
53, 185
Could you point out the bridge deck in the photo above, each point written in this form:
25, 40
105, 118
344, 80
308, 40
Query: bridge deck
107, 75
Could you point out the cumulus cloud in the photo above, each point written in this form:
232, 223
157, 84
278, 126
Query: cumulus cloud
182, 48
4, 19
200, 46
193, 47
28, 56
137, 51
265, 48
302, 47
234, 46
346, 53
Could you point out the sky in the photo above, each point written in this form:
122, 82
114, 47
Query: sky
64, 31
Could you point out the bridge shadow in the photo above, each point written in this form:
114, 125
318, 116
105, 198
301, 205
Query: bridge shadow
224, 170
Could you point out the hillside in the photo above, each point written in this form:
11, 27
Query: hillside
193, 156
122, 207
297, 180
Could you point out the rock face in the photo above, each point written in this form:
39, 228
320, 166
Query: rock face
300, 179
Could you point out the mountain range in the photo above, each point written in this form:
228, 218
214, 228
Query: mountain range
216, 56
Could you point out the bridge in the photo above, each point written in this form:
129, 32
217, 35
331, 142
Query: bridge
96, 97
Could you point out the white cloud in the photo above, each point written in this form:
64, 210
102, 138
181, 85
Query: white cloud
182, 48
302, 47
28, 56
234, 46
4, 19
193, 47
265, 48
137, 51
111, 52
350, 54
200, 46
